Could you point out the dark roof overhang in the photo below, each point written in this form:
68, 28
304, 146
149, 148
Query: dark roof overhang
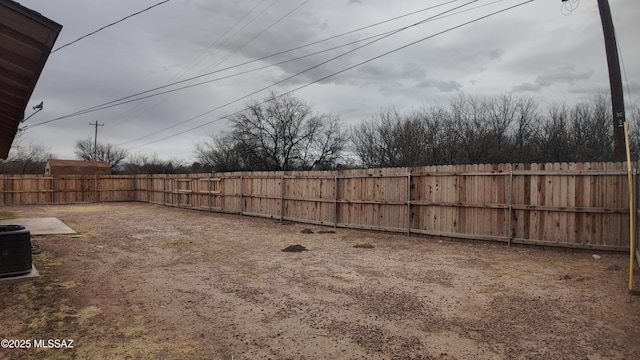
26, 40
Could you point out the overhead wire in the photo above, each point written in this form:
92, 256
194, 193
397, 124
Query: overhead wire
109, 25
626, 80
198, 59
106, 105
262, 32
127, 101
301, 72
238, 48
330, 75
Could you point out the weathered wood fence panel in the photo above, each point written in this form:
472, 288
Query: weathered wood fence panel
25, 189
113, 188
582, 205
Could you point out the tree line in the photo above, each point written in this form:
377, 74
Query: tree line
284, 133
500, 129
32, 158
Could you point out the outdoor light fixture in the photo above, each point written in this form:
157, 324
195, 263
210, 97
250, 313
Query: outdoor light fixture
37, 108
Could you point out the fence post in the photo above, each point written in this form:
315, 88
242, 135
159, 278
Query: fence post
222, 197
241, 202
6, 199
409, 204
95, 188
209, 192
53, 191
281, 196
510, 205
176, 190
335, 201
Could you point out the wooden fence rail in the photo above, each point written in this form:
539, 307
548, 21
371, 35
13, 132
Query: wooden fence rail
576, 205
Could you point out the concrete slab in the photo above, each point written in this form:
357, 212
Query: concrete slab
41, 226
33, 274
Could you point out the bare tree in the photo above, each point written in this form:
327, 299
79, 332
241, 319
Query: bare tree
553, 142
470, 121
25, 159
634, 131
591, 135
500, 129
367, 144
144, 164
521, 144
493, 129
280, 133
392, 139
221, 153
104, 152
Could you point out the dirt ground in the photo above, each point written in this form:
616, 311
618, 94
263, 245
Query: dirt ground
141, 281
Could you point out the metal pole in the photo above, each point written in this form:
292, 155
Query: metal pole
281, 196
510, 205
409, 204
335, 201
241, 203
632, 241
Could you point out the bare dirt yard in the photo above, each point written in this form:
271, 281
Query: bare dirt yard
142, 281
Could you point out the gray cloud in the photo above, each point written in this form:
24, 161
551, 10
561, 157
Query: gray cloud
556, 76
533, 48
443, 86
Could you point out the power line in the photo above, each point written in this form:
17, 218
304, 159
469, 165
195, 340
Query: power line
304, 71
106, 105
106, 26
330, 75
124, 101
237, 49
624, 72
198, 59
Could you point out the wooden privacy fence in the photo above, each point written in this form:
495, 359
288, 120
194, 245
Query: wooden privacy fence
578, 205
68, 189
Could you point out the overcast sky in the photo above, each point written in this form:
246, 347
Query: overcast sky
535, 50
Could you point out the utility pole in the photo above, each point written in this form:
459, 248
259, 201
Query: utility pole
615, 81
95, 144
